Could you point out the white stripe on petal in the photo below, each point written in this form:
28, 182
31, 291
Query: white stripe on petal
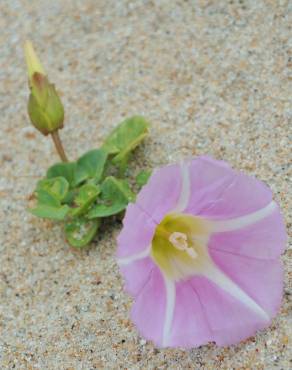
134, 257
185, 189
241, 222
214, 274
169, 309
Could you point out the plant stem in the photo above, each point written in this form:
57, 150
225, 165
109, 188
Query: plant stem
59, 146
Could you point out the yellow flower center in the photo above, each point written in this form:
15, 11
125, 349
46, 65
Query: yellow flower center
179, 245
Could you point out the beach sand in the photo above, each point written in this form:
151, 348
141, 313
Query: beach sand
213, 77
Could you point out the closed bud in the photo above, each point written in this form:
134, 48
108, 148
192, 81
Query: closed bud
45, 108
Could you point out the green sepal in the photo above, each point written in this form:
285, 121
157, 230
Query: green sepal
45, 108
114, 198
79, 232
86, 196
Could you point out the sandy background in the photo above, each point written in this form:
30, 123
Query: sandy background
213, 77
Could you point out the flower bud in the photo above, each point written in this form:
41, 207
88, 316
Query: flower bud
45, 109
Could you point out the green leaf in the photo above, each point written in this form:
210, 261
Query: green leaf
125, 138
115, 189
66, 170
80, 232
57, 187
70, 196
85, 198
115, 196
102, 210
53, 213
46, 198
143, 177
48, 206
91, 165
87, 192
123, 163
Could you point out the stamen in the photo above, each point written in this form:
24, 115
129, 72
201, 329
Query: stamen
180, 241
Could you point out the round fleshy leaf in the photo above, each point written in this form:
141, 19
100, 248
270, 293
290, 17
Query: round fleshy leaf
57, 187
125, 138
66, 170
79, 232
48, 206
86, 196
91, 166
115, 196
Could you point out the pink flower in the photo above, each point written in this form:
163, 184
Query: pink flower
200, 255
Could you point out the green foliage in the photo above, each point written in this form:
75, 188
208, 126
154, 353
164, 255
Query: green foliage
66, 170
80, 231
143, 177
91, 166
83, 192
58, 187
49, 206
115, 196
84, 199
57, 213
125, 138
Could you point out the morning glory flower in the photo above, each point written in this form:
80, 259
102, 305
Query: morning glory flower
199, 252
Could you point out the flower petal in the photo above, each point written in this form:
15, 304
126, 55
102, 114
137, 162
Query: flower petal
262, 280
189, 327
170, 290
208, 179
185, 191
136, 274
265, 239
148, 311
218, 277
137, 233
219, 192
242, 222
162, 192
229, 321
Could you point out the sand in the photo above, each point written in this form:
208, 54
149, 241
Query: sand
213, 77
